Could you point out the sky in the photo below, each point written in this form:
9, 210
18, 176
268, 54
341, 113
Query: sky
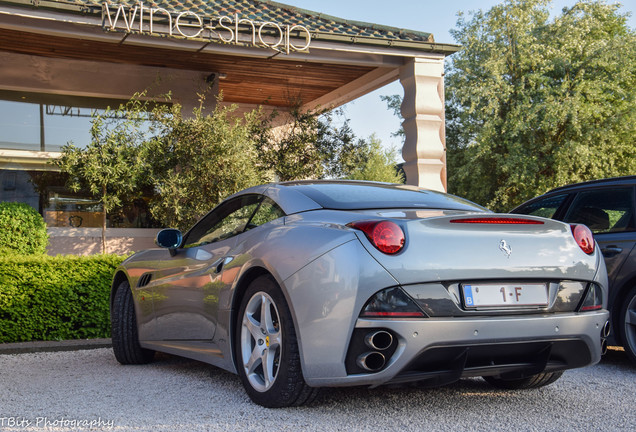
369, 114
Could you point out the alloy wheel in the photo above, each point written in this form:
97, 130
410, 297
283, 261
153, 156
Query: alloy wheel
261, 341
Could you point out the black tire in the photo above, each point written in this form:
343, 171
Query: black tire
282, 384
124, 329
627, 324
534, 381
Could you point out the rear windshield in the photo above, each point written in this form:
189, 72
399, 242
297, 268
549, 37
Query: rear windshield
359, 196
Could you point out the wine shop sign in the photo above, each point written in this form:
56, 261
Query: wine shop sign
230, 29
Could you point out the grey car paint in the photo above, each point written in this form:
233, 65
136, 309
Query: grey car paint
328, 271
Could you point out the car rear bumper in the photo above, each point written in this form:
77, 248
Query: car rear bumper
443, 350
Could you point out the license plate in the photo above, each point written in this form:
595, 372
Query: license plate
505, 295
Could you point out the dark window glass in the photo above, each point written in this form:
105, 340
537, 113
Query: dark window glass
603, 210
353, 196
545, 207
267, 212
231, 218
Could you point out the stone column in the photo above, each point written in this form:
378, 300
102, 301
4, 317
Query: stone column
424, 150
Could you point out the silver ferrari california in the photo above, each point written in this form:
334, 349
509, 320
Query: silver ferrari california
309, 284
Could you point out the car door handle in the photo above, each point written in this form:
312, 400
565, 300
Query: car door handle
218, 265
611, 251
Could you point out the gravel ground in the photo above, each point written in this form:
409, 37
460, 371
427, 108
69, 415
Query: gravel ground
89, 390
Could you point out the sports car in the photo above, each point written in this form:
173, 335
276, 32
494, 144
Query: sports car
301, 285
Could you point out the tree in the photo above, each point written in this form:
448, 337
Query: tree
394, 103
314, 146
533, 104
109, 166
190, 162
196, 161
291, 151
375, 163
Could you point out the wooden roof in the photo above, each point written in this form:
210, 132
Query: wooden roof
337, 68
247, 80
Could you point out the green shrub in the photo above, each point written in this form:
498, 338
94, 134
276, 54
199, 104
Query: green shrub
22, 230
55, 298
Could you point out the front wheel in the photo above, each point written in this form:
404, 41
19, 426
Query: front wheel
124, 329
534, 381
268, 358
627, 325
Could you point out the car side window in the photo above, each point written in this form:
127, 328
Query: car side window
225, 221
546, 207
603, 210
266, 212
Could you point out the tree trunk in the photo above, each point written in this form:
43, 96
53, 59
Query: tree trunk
103, 221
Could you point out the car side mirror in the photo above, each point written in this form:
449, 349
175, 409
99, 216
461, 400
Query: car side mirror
169, 238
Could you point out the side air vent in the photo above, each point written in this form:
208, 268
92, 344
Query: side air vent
144, 280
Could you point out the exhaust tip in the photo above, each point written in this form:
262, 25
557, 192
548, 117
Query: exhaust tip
603, 347
371, 361
379, 340
607, 328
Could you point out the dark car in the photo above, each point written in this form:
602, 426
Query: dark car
607, 208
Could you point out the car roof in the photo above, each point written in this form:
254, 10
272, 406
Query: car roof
306, 195
614, 181
608, 182
361, 195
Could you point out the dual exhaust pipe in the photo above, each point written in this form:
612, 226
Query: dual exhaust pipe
605, 332
374, 361
381, 340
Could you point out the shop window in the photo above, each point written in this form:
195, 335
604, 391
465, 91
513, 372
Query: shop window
8, 181
72, 211
42, 122
17, 187
47, 122
60, 207
19, 126
76, 211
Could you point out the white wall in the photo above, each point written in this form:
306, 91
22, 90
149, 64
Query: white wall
88, 241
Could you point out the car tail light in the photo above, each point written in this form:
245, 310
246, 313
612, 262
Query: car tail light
391, 303
583, 237
385, 235
593, 300
497, 220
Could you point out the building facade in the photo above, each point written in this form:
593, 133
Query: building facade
60, 61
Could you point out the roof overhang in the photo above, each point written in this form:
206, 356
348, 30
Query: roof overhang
25, 160
333, 70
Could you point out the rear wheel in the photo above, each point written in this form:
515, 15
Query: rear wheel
268, 358
124, 329
627, 325
534, 381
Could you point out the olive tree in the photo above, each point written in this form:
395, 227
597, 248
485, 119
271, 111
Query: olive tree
109, 166
195, 161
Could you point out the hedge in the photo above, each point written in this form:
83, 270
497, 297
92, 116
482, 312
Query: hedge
55, 298
22, 230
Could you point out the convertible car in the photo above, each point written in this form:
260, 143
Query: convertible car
309, 284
